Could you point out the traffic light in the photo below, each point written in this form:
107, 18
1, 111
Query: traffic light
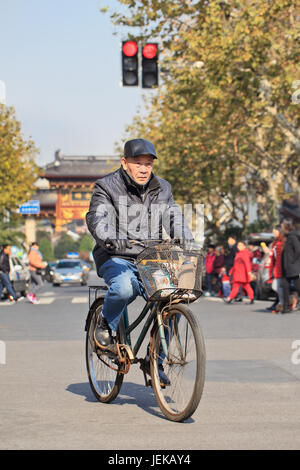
130, 70
150, 65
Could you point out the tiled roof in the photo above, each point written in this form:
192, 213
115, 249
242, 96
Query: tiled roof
81, 166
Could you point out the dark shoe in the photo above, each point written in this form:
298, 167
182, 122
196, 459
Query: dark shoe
102, 334
250, 302
238, 299
285, 310
273, 307
164, 379
227, 300
145, 367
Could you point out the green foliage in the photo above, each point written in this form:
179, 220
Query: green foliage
223, 123
258, 226
18, 172
42, 234
65, 245
46, 249
86, 243
10, 232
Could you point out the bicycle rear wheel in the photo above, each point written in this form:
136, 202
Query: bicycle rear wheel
103, 370
184, 366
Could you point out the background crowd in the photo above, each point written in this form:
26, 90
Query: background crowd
232, 271
35, 264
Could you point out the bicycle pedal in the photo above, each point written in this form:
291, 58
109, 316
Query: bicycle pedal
125, 348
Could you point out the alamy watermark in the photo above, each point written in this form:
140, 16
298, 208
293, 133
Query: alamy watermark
138, 221
295, 358
2, 353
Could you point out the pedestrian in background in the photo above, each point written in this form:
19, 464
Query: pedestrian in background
241, 274
230, 256
275, 270
217, 266
209, 267
225, 282
290, 262
36, 264
255, 256
4, 274
229, 261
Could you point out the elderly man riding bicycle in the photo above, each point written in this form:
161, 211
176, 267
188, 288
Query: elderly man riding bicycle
130, 203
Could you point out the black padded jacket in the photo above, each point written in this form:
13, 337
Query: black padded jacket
120, 208
291, 255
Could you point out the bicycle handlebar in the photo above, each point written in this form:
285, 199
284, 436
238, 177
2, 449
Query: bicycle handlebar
139, 245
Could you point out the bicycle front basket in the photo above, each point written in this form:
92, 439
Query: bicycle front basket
170, 270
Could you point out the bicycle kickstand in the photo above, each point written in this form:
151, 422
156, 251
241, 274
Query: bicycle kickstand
148, 382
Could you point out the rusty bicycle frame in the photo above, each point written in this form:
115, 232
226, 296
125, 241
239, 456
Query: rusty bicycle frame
156, 309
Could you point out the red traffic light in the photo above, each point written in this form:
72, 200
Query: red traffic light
150, 51
130, 48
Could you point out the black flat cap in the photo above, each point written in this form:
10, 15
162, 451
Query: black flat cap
135, 147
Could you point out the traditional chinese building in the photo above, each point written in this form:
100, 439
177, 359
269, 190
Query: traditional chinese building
70, 181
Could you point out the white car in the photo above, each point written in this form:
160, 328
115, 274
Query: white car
19, 276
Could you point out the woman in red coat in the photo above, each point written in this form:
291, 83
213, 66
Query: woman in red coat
241, 274
275, 270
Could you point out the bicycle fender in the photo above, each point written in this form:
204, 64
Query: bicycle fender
95, 304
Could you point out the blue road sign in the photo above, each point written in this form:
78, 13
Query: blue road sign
72, 254
30, 207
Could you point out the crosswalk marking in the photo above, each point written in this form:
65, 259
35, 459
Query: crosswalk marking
79, 300
49, 299
46, 300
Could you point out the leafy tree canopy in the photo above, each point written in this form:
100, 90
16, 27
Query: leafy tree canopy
18, 171
223, 122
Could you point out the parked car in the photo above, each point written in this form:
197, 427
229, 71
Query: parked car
49, 271
19, 276
70, 271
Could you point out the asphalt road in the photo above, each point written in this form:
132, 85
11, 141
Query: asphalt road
250, 401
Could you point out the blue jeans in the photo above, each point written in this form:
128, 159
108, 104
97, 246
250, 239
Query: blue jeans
124, 285
5, 281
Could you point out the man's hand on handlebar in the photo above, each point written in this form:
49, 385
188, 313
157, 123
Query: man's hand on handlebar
186, 243
117, 244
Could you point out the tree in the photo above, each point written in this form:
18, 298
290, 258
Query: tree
224, 124
10, 232
46, 249
64, 245
86, 244
18, 171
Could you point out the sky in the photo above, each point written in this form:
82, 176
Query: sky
61, 65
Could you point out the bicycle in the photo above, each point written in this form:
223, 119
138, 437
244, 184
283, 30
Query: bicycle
172, 278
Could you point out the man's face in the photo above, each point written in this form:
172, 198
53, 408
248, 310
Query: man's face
231, 241
7, 250
139, 168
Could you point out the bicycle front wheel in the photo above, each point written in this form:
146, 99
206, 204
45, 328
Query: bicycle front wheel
103, 371
184, 365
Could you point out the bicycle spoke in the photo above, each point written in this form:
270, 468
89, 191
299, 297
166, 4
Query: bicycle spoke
103, 375
179, 399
